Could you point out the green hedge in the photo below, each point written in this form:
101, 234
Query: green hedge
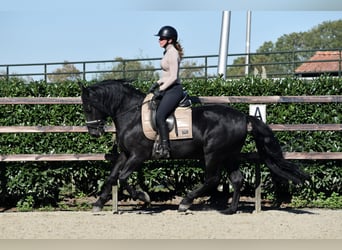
47, 183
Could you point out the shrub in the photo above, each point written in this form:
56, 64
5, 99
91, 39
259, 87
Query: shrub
44, 183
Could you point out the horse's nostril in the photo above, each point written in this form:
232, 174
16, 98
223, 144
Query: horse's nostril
96, 135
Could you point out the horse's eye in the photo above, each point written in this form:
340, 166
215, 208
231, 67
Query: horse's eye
87, 108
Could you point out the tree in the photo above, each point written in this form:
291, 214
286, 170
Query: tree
190, 69
327, 35
275, 56
130, 69
237, 69
68, 72
137, 69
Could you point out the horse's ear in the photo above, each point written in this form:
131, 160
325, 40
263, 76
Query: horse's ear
82, 87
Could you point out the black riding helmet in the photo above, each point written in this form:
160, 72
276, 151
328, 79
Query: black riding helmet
168, 32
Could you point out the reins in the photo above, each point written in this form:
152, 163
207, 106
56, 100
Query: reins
98, 124
131, 109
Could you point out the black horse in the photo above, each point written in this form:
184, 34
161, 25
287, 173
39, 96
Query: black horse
219, 133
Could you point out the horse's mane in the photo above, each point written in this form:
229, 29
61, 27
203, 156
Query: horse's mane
114, 84
111, 93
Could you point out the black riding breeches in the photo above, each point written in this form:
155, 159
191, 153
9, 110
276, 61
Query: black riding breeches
171, 98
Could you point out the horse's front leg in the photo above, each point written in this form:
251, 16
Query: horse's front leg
136, 194
111, 180
132, 163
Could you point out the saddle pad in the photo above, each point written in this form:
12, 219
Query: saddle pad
183, 117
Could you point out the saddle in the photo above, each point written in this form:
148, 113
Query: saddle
179, 122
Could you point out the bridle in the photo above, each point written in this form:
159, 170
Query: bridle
96, 124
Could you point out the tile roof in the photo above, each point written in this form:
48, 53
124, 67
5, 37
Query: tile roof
328, 61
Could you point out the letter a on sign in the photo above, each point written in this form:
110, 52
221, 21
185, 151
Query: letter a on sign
258, 111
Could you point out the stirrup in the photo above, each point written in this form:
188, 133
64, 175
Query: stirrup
162, 151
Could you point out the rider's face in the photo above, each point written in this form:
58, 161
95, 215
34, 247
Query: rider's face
163, 41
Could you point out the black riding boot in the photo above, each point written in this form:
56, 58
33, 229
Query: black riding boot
163, 150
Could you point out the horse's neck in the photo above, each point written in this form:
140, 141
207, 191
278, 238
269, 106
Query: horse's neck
128, 113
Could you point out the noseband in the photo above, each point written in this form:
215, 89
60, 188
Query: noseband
96, 124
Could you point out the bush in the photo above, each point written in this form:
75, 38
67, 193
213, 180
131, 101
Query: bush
44, 183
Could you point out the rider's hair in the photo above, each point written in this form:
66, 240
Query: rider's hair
179, 48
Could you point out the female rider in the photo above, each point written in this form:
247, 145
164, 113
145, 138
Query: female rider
170, 89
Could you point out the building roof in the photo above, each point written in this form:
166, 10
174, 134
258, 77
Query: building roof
327, 62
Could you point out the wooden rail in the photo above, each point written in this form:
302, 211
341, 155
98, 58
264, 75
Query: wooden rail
203, 99
271, 99
54, 157
49, 129
103, 157
83, 129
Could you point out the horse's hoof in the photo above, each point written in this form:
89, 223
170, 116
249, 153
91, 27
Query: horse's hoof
143, 196
228, 211
185, 204
183, 207
96, 209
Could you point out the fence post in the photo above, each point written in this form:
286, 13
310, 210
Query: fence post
206, 67
124, 69
259, 111
7, 73
339, 64
84, 71
45, 72
115, 198
257, 194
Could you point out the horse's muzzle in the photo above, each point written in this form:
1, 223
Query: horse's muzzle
96, 128
95, 133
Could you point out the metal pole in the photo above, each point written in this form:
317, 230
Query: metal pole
84, 71
224, 42
45, 73
248, 41
7, 73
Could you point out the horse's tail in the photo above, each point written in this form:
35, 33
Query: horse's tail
270, 152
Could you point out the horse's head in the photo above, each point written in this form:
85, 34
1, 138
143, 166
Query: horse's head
95, 118
109, 98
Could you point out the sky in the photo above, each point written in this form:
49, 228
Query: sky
38, 31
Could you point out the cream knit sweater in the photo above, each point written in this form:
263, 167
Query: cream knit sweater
170, 67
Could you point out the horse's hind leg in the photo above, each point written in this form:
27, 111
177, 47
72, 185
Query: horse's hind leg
212, 179
236, 179
209, 184
281, 190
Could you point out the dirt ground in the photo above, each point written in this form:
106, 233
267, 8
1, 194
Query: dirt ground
165, 222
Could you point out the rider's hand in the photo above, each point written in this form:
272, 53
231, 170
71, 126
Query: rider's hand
157, 94
153, 87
